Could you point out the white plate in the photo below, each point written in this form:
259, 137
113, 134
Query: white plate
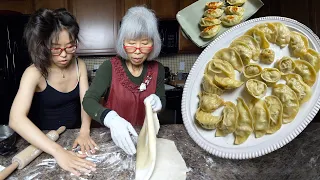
190, 17
252, 147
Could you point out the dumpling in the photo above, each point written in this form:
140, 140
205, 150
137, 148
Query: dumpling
259, 36
270, 75
210, 31
210, 102
283, 37
256, 88
261, 117
234, 10
236, 2
211, 70
243, 50
289, 100
206, 120
285, 65
252, 70
209, 87
267, 56
231, 20
252, 43
302, 90
226, 82
244, 124
228, 120
269, 30
306, 71
275, 110
298, 43
213, 13
223, 67
230, 55
214, 5
312, 57
208, 21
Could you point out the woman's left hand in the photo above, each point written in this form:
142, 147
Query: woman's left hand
85, 142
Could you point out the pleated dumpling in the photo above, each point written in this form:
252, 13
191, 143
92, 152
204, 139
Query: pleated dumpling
259, 36
230, 55
223, 68
206, 120
289, 100
306, 71
283, 37
210, 102
231, 20
213, 13
243, 50
208, 21
285, 65
209, 87
252, 43
313, 57
269, 30
270, 75
210, 31
275, 109
226, 82
234, 10
256, 88
267, 56
236, 2
298, 43
228, 120
302, 90
214, 5
261, 117
244, 124
252, 70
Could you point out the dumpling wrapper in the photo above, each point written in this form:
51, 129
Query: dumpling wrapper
285, 65
252, 43
228, 120
256, 88
312, 57
243, 50
306, 71
208, 21
230, 55
270, 75
209, 87
267, 56
206, 120
210, 31
276, 111
269, 30
252, 70
298, 43
231, 20
259, 36
226, 82
261, 117
236, 2
244, 124
234, 10
302, 90
210, 102
213, 13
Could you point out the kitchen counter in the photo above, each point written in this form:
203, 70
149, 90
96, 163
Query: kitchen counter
297, 160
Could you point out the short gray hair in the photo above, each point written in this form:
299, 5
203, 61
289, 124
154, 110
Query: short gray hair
138, 22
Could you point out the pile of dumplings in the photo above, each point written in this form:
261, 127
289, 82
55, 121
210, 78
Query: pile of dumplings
210, 24
260, 115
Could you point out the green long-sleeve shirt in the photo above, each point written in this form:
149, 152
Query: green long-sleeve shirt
102, 82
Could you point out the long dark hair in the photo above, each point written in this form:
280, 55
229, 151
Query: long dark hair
43, 27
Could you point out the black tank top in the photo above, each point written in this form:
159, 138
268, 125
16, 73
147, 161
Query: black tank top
51, 109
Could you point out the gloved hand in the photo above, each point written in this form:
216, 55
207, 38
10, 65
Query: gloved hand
155, 102
120, 129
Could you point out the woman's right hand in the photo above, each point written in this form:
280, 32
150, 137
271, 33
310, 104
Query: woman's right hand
69, 161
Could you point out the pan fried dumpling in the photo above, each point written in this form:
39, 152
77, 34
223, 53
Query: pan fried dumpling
224, 67
312, 57
259, 36
270, 75
243, 50
302, 90
256, 88
234, 10
230, 55
210, 31
283, 37
285, 65
231, 20
206, 120
252, 43
209, 87
275, 110
210, 102
261, 117
289, 100
226, 82
252, 70
306, 71
236, 2
267, 56
214, 5
298, 43
213, 13
228, 120
244, 124
208, 21
269, 30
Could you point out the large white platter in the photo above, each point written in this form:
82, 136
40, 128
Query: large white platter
253, 147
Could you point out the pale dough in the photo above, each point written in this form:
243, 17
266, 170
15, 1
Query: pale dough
157, 158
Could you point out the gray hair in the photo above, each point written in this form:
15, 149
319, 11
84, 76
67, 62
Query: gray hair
139, 22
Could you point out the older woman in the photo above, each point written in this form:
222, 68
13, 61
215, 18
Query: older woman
128, 79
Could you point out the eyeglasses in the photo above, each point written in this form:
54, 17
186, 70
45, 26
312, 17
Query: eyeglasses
143, 50
69, 50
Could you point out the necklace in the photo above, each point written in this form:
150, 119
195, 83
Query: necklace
62, 74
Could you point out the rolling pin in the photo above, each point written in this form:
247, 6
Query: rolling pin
22, 159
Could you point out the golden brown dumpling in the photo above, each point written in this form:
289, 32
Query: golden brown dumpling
302, 90
261, 117
285, 65
269, 30
275, 109
228, 120
267, 56
236, 2
214, 5
209, 87
243, 50
252, 70
283, 37
270, 75
226, 82
230, 55
234, 10
298, 43
259, 36
210, 31
213, 13
210, 102
206, 120
208, 21
306, 71
244, 124
231, 20
256, 88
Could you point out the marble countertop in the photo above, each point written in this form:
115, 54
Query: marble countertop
297, 160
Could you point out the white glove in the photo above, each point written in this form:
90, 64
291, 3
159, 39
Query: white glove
120, 129
155, 102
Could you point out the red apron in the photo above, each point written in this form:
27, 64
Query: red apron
125, 97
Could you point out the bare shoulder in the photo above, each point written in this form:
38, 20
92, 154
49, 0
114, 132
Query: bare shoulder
32, 72
82, 66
